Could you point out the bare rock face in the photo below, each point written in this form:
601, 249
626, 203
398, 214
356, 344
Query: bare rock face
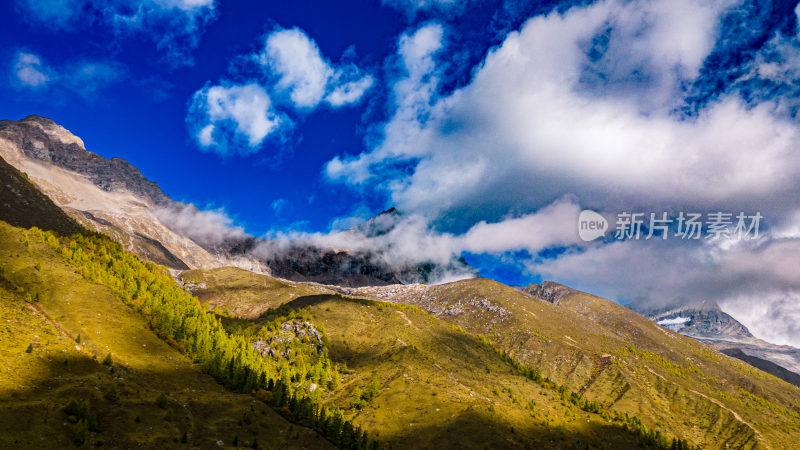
549, 291
111, 196
700, 319
106, 195
43, 140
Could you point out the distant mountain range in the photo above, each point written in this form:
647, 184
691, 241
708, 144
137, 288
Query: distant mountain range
707, 322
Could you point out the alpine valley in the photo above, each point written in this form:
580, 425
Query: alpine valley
123, 325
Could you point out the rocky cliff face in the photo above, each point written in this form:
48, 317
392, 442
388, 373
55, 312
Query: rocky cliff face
113, 197
698, 320
106, 195
41, 139
707, 322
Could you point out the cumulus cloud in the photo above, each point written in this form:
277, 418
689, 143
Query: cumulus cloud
232, 119
236, 118
174, 26
535, 118
587, 102
411, 96
83, 77
297, 61
307, 76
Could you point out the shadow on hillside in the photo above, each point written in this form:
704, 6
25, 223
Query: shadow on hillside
33, 415
475, 430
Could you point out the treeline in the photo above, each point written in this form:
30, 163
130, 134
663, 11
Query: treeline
181, 320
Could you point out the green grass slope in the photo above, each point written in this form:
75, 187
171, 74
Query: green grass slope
432, 384
243, 294
622, 360
45, 307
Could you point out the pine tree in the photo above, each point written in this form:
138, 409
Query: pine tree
29, 349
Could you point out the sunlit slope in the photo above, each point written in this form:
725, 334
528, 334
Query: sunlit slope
45, 305
242, 293
622, 360
435, 385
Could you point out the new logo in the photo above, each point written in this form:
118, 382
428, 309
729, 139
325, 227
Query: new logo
591, 225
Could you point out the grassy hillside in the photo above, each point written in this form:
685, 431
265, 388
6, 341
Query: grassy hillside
435, 384
148, 395
243, 294
622, 360
406, 377
508, 370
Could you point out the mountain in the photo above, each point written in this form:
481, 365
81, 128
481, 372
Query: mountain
707, 322
111, 196
101, 349
127, 353
617, 357
699, 320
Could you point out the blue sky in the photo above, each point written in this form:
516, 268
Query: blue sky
490, 124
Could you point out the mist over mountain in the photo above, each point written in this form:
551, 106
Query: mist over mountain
400, 224
111, 195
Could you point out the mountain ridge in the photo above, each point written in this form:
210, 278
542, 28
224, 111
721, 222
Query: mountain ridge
113, 197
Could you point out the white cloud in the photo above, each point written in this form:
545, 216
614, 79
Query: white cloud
236, 118
584, 103
408, 240
411, 97
534, 124
307, 76
348, 89
299, 64
29, 70
208, 228
232, 118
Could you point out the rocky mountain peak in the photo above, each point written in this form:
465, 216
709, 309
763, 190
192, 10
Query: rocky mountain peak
41, 139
